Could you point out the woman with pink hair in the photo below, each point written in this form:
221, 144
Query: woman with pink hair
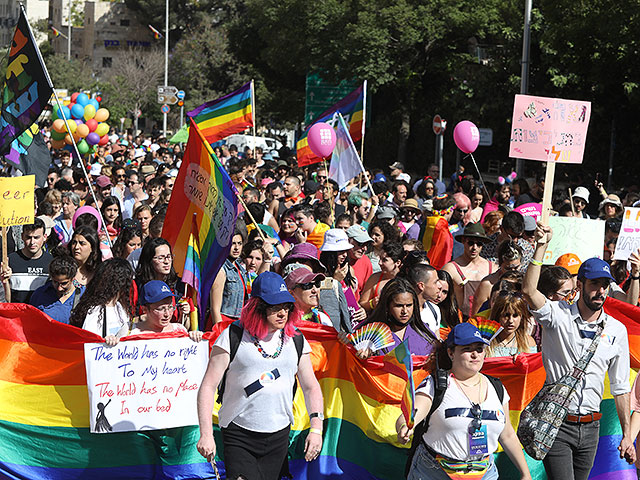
257, 359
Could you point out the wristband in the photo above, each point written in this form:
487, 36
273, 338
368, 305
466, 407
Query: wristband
315, 430
371, 304
537, 263
637, 277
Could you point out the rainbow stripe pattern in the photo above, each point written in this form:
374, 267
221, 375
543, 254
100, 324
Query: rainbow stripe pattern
225, 116
191, 273
489, 329
204, 197
352, 109
400, 357
373, 336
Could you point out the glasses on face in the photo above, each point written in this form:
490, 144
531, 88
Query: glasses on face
120, 176
462, 210
165, 309
278, 308
132, 182
163, 258
476, 423
310, 285
322, 177
471, 242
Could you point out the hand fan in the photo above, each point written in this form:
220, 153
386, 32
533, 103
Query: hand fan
373, 336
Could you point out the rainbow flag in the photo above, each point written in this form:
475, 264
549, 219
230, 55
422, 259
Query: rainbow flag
225, 116
352, 108
437, 240
191, 274
400, 357
156, 34
44, 413
204, 197
57, 33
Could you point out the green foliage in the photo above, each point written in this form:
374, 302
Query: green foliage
73, 75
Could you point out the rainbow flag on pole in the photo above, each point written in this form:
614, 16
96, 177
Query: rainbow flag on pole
57, 33
191, 274
225, 116
352, 108
400, 357
156, 33
204, 197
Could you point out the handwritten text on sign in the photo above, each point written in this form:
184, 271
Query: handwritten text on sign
629, 238
583, 237
16, 200
549, 129
144, 384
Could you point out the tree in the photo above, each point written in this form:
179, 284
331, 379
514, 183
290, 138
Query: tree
132, 82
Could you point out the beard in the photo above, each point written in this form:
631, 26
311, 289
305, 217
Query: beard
590, 302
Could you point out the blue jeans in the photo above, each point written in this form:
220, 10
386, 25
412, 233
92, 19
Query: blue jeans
572, 454
424, 467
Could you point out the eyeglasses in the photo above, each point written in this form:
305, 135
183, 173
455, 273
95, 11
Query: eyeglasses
321, 177
476, 423
278, 308
310, 285
163, 258
121, 176
132, 182
167, 309
462, 210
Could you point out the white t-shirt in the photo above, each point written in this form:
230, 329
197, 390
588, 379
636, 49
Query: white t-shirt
117, 320
175, 327
270, 408
448, 434
429, 319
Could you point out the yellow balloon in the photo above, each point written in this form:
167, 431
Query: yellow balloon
58, 126
102, 115
89, 112
72, 125
102, 129
67, 139
82, 130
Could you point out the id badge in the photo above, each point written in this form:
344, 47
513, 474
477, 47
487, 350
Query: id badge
478, 442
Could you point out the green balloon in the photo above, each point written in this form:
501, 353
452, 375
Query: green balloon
83, 147
57, 136
54, 115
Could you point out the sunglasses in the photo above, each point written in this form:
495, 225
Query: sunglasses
462, 210
476, 423
310, 285
472, 242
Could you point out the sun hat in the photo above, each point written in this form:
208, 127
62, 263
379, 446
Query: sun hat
335, 240
359, 234
570, 261
465, 334
300, 276
473, 230
583, 193
48, 224
411, 203
154, 291
303, 251
270, 287
612, 199
595, 268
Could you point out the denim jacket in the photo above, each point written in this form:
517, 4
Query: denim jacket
233, 295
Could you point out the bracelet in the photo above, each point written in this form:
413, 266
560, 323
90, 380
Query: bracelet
315, 430
637, 277
371, 304
537, 263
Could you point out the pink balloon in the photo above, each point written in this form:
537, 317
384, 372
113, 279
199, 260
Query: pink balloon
321, 139
467, 136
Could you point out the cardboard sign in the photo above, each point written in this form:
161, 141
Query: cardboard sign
629, 238
581, 236
549, 129
16, 200
144, 384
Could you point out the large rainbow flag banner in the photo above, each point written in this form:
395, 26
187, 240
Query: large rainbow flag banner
225, 116
44, 413
352, 108
203, 201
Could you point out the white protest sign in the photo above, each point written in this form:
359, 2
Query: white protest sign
629, 238
581, 236
144, 384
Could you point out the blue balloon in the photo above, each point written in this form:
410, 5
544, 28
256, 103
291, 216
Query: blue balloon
67, 113
82, 99
95, 103
78, 110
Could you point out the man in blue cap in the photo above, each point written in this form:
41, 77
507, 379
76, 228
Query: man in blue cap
568, 331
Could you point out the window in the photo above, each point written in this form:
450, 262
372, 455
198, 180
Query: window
106, 62
124, 22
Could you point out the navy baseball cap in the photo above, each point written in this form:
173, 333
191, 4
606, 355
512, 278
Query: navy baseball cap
595, 268
465, 334
154, 291
271, 288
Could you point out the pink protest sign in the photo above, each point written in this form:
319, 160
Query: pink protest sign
530, 210
549, 129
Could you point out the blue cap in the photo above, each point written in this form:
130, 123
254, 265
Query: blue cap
154, 291
465, 334
595, 268
271, 288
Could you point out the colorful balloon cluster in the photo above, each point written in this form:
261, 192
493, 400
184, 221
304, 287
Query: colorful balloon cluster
87, 124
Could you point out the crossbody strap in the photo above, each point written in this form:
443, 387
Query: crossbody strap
579, 369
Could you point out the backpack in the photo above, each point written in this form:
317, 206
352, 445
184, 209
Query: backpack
440, 388
235, 336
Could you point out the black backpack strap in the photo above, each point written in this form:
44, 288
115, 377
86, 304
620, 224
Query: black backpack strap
497, 384
235, 337
298, 341
441, 380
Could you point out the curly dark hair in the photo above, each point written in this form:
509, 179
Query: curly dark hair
91, 235
397, 286
108, 202
145, 272
126, 234
113, 280
390, 232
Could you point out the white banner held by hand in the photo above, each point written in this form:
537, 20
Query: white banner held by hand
144, 384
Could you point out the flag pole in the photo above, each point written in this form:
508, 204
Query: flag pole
326, 169
364, 173
253, 114
364, 121
64, 118
238, 196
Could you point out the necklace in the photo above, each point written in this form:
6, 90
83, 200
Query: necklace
506, 343
469, 386
256, 342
